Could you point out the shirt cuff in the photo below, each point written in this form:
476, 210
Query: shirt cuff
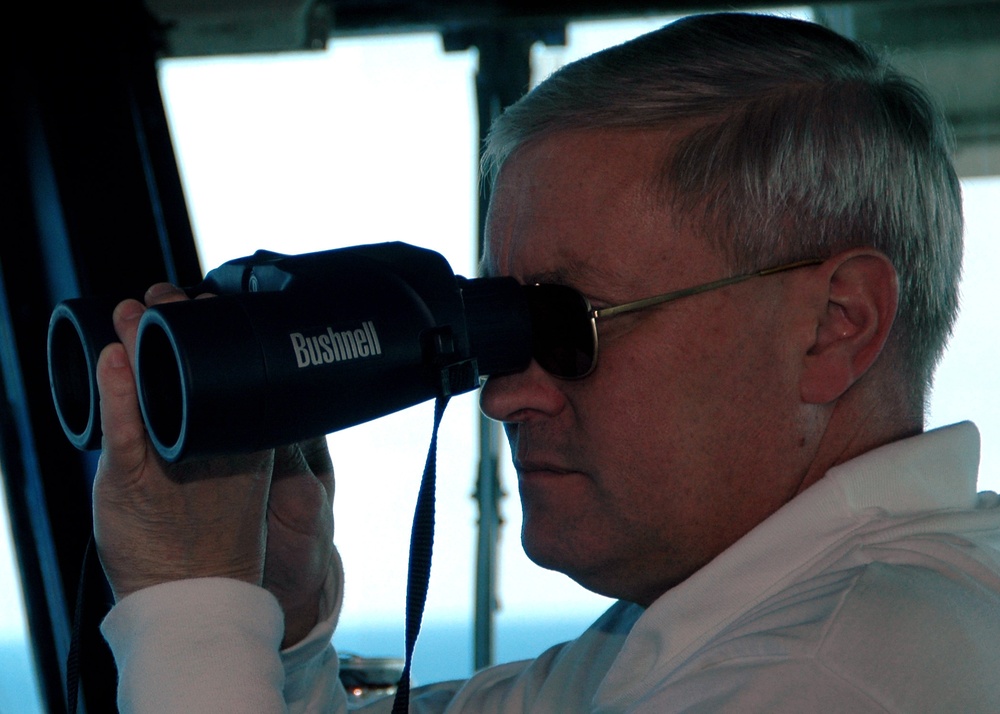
202, 644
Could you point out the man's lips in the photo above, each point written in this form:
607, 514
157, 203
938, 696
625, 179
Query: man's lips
527, 468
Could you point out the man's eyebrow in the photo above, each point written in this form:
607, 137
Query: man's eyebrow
578, 274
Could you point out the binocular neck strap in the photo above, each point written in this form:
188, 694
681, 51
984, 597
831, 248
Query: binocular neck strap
421, 547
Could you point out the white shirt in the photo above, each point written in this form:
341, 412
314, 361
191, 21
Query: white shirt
875, 590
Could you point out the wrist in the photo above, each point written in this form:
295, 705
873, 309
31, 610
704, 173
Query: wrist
299, 623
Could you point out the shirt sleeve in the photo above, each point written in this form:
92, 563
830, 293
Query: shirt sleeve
203, 644
212, 644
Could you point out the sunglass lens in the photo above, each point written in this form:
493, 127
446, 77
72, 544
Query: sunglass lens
565, 342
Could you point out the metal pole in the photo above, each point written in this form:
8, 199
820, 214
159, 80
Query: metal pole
504, 75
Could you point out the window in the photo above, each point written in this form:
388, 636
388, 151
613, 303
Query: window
370, 141
18, 692
966, 385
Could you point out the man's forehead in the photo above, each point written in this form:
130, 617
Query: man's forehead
583, 208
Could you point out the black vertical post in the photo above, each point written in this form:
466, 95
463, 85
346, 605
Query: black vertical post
92, 204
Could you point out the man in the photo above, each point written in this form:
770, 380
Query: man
742, 465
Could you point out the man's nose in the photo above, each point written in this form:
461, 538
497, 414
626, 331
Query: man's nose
522, 396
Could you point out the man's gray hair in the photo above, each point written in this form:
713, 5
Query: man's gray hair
791, 142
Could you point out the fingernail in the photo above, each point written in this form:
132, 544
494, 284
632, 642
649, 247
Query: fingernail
117, 359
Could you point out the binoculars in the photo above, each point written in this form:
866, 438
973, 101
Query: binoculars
292, 347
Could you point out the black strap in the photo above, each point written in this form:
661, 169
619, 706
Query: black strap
73, 656
421, 547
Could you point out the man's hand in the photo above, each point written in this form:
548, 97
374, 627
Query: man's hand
299, 533
155, 522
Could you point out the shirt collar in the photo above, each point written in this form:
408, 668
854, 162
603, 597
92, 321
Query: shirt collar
931, 471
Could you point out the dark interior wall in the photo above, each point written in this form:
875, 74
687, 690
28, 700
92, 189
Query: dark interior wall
92, 206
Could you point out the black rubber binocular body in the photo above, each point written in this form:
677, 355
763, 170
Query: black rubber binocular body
292, 347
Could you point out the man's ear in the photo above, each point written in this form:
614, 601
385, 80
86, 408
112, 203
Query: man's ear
858, 291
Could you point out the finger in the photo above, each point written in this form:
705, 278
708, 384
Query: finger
126, 321
317, 455
161, 293
289, 462
124, 435
296, 495
310, 457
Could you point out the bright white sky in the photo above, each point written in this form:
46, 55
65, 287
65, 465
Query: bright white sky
374, 140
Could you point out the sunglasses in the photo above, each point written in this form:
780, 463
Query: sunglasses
564, 323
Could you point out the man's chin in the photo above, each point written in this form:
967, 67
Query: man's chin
553, 554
